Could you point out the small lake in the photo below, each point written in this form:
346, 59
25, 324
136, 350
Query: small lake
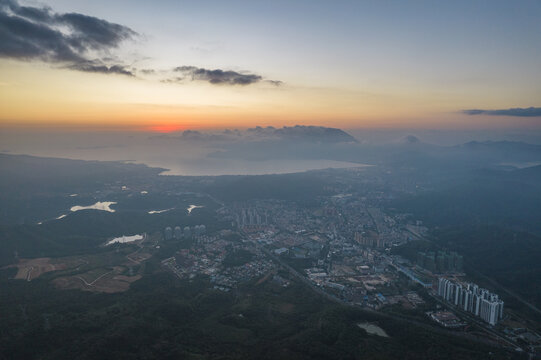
159, 211
191, 207
521, 165
124, 239
216, 167
372, 329
103, 206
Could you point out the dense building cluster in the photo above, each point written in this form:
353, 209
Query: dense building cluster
370, 241
473, 299
346, 248
251, 217
208, 256
440, 261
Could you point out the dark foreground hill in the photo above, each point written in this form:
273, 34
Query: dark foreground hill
161, 317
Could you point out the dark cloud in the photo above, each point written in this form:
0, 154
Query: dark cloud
275, 82
84, 43
93, 33
218, 76
70, 40
100, 68
521, 112
174, 80
148, 71
35, 14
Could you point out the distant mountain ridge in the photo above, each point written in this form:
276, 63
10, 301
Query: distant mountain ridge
411, 139
501, 145
303, 133
320, 133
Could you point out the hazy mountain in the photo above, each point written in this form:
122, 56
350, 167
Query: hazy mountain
262, 150
411, 139
314, 133
301, 133
501, 146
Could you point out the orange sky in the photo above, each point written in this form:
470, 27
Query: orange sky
36, 94
360, 65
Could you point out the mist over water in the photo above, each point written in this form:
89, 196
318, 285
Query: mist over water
251, 167
247, 152
192, 157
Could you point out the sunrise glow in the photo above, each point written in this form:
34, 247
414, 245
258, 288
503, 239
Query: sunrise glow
366, 73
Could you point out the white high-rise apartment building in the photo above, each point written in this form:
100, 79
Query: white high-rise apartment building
473, 299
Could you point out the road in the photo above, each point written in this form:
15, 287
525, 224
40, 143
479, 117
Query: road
96, 279
29, 273
140, 245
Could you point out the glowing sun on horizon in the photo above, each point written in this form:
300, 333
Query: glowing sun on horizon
166, 128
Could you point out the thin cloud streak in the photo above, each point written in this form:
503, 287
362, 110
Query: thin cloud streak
217, 76
518, 112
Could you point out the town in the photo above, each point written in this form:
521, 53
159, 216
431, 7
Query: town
349, 250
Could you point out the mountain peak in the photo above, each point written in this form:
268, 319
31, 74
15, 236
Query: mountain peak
314, 133
412, 139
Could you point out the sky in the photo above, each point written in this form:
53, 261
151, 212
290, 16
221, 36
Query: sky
174, 65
